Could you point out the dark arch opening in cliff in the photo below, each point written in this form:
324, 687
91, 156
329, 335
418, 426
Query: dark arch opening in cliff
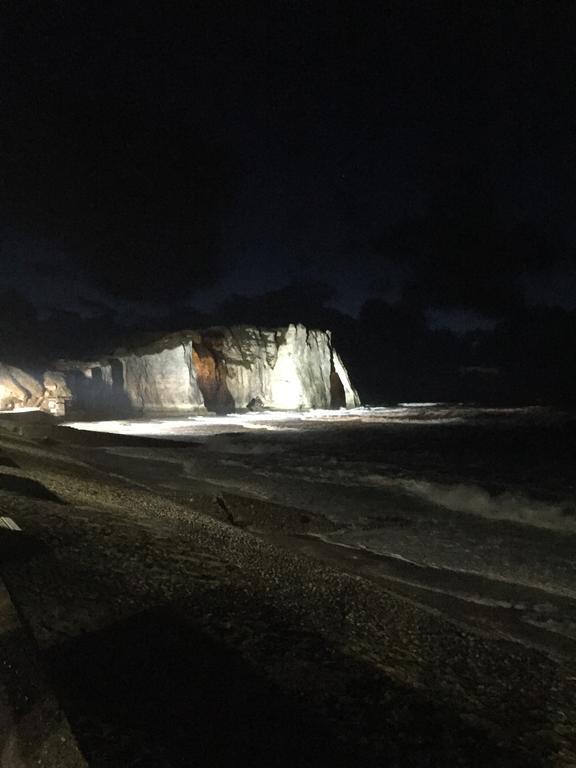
211, 374
337, 391
118, 401
79, 385
117, 372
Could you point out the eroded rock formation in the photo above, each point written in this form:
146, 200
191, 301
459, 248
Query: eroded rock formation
56, 393
18, 389
219, 370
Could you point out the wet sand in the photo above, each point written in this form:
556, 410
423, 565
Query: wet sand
192, 631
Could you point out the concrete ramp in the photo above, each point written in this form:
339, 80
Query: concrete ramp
33, 729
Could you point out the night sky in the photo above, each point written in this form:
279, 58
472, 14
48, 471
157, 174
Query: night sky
158, 156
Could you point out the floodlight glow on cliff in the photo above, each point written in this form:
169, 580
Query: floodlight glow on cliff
8, 394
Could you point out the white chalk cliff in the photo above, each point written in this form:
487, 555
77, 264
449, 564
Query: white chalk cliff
18, 389
219, 369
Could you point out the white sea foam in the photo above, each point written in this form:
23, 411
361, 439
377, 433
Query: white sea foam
472, 499
20, 409
267, 420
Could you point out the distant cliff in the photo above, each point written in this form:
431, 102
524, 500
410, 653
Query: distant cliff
218, 369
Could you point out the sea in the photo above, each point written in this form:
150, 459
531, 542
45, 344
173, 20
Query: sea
468, 510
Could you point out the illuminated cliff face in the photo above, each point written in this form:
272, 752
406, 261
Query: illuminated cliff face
18, 389
220, 370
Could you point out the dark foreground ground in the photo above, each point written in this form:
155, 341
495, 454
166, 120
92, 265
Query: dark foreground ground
173, 638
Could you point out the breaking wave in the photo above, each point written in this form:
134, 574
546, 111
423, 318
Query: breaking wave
512, 505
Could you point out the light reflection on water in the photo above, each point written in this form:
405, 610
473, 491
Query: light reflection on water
177, 425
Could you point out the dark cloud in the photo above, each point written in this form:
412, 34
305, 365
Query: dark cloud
424, 154
465, 255
104, 148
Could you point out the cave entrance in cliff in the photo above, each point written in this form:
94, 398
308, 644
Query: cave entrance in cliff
117, 373
211, 374
79, 385
337, 392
